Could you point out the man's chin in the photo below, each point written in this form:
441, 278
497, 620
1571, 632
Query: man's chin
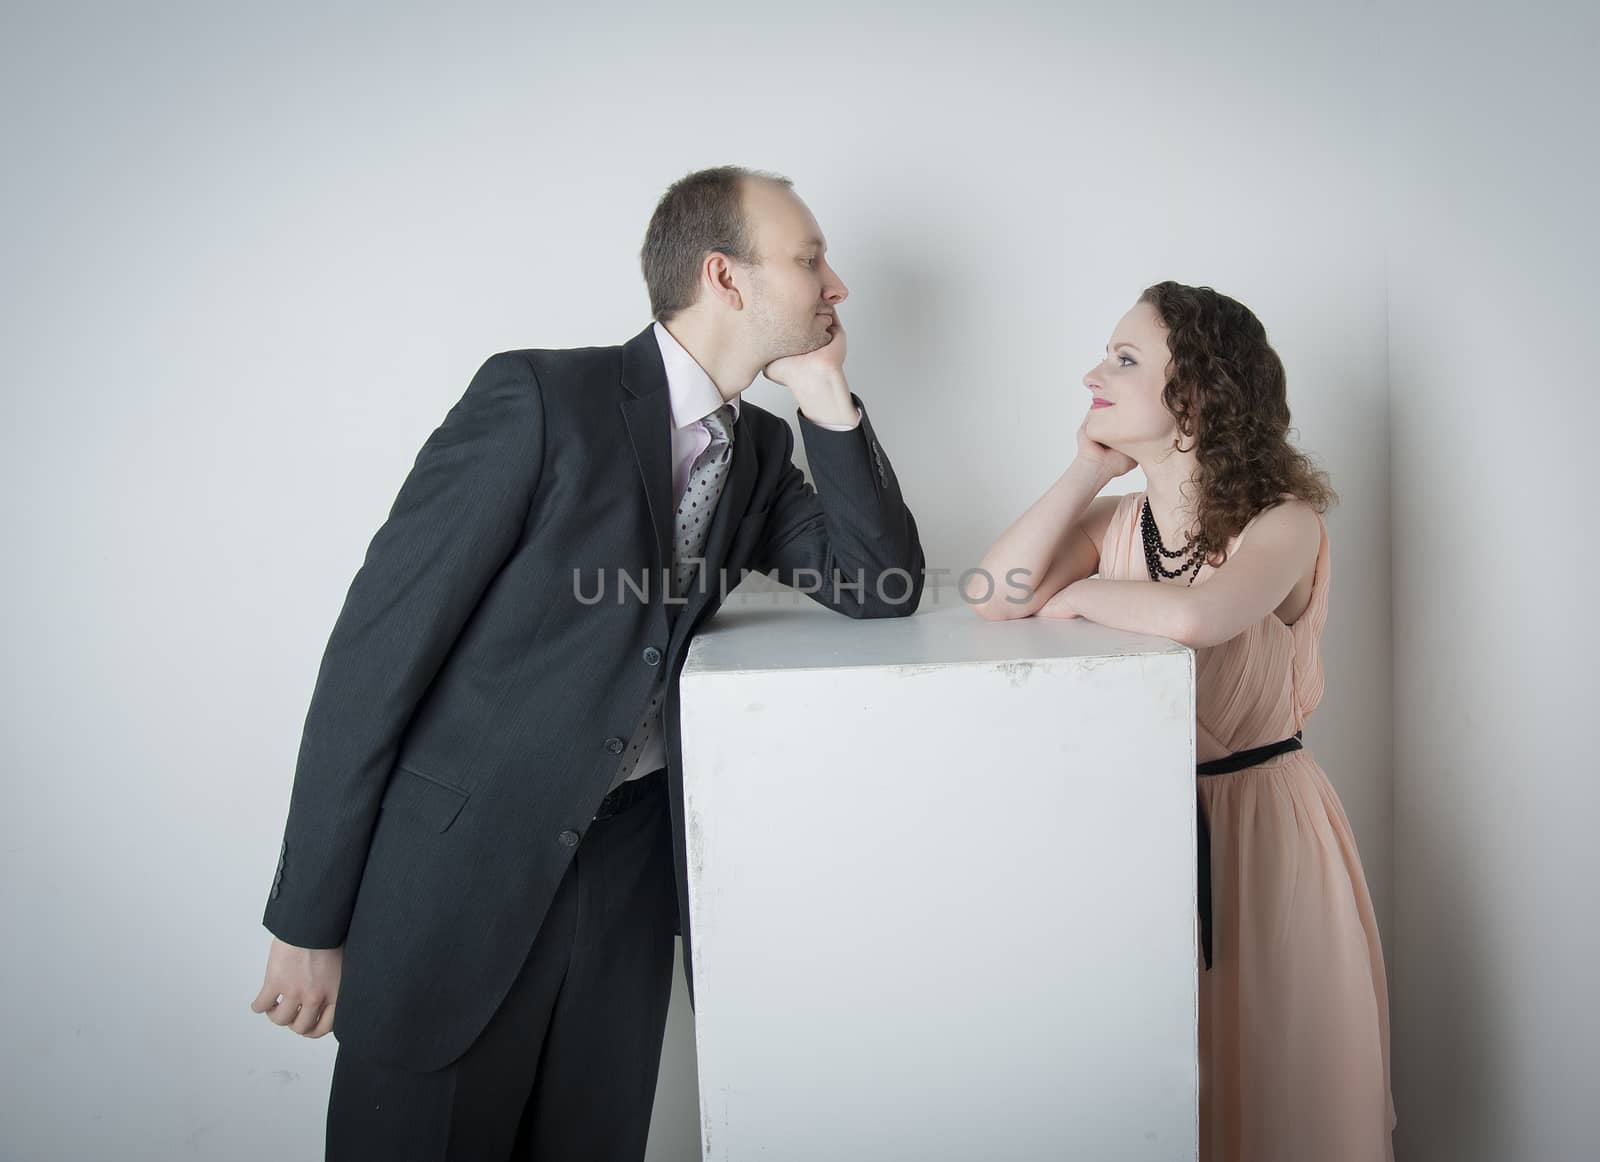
816, 342
803, 346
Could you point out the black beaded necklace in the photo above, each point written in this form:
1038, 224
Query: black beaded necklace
1192, 553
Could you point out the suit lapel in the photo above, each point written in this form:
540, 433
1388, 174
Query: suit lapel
647, 411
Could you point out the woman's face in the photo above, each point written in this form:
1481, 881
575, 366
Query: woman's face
1128, 413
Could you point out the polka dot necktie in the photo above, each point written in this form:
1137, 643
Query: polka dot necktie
691, 526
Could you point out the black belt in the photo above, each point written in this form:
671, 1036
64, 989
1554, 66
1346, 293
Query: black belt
1238, 761
629, 793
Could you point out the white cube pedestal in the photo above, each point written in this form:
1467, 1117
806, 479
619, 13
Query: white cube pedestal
942, 884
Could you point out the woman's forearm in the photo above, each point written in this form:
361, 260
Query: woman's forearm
1136, 606
1023, 554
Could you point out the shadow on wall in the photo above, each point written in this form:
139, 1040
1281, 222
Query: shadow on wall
675, 1120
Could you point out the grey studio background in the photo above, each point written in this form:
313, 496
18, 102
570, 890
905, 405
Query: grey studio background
252, 255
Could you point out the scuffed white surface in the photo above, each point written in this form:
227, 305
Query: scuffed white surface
942, 884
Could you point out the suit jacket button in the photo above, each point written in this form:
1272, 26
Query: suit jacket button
615, 745
568, 838
652, 656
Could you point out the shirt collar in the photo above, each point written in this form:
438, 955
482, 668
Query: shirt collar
693, 395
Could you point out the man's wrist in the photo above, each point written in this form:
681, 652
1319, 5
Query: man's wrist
827, 401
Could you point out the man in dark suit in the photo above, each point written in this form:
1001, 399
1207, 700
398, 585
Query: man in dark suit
484, 857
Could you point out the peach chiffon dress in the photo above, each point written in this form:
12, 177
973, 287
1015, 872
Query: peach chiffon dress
1294, 1012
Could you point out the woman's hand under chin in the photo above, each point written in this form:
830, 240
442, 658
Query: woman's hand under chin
1107, 463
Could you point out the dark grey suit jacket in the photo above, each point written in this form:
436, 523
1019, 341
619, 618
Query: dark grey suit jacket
469, 707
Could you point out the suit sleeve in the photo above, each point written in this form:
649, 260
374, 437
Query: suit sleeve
457, 518
853, 531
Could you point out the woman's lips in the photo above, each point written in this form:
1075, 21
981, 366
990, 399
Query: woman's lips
1101, 403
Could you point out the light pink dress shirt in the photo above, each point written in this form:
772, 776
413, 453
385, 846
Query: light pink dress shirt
693, 398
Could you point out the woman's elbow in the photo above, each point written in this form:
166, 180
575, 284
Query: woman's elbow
994, 601
993, 610
1192, 629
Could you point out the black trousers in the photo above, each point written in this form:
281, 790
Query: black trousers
566, 1069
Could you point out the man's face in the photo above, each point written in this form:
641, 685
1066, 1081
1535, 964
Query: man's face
792, 291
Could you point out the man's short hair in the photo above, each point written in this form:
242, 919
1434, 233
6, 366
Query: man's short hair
700, 214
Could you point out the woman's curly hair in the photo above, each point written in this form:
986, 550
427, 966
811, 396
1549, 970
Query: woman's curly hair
1227, 390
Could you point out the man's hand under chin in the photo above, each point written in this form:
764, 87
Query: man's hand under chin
816, 380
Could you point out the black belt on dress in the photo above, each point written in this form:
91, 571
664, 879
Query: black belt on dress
1238, 761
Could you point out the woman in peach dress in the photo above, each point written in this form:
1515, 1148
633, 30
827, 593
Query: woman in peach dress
1227, 552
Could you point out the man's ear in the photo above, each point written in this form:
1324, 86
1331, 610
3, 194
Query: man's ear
717, 280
